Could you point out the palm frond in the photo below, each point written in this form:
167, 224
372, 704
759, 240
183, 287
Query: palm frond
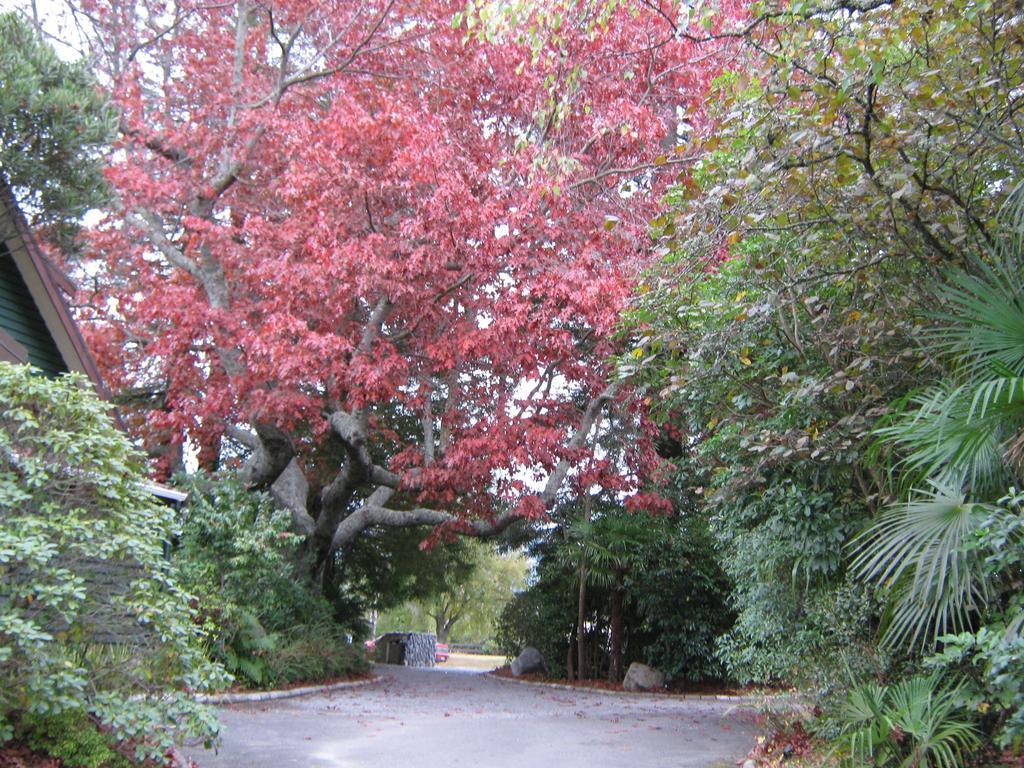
924, 708
959, 434
865, 724
918, 551
981, 325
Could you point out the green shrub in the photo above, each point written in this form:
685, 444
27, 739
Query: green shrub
675, 598
992, 663
71, 737
267, 622
797, 619
312, 653
71, 506
542, 616
680, 599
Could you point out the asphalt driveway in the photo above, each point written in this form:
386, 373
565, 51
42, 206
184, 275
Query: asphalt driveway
455, 718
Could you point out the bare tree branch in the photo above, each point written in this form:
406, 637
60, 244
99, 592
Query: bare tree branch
153, 228
590, 416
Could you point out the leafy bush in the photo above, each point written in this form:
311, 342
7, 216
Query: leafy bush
314, 652
917, 722
71, 508
798, 621
72, 738
267, 623
991, 658
681, 601
992, 663
542, 616
675, 597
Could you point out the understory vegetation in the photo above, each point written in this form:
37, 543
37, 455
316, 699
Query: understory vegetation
95, 624
263, 619
630, 565
845, 366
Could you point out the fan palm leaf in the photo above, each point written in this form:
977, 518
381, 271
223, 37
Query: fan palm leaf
982, 325
919, 551
962, 429
924, 710
960, 435
865, 724
914, 724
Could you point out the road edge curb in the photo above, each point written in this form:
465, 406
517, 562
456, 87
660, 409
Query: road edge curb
255, 696
753, 700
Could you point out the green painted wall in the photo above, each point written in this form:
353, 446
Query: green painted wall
20, 318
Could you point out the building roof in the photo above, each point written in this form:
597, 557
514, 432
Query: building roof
36, 325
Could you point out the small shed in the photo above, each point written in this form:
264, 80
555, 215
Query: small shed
407, 649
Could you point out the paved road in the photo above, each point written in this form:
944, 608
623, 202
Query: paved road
455, 718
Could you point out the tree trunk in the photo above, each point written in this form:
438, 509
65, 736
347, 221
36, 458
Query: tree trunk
581, 619
588, 504
570, 673
444, 620
441, 628
618, 595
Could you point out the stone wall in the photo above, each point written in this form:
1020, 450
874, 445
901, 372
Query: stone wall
101, 617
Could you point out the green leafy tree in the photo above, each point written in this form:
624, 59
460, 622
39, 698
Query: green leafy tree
54, 127
679, 600
397, 576
72, 508
657, 576
544, 616
610, 549
476, 602
463, 602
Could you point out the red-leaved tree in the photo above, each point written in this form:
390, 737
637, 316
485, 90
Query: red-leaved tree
376, 251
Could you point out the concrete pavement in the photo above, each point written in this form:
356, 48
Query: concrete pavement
455, 718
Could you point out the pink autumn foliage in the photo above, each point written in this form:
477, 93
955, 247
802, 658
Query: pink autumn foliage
425, 169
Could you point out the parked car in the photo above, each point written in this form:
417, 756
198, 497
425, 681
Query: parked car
440, 653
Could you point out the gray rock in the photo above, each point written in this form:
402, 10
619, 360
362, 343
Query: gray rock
749, 764
640, 677
529, 661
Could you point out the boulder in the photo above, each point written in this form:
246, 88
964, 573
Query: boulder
529, 661
640, 677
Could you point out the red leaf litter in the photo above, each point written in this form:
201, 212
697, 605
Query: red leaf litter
792, 741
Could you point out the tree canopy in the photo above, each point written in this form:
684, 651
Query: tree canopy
380, 257
56, 125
